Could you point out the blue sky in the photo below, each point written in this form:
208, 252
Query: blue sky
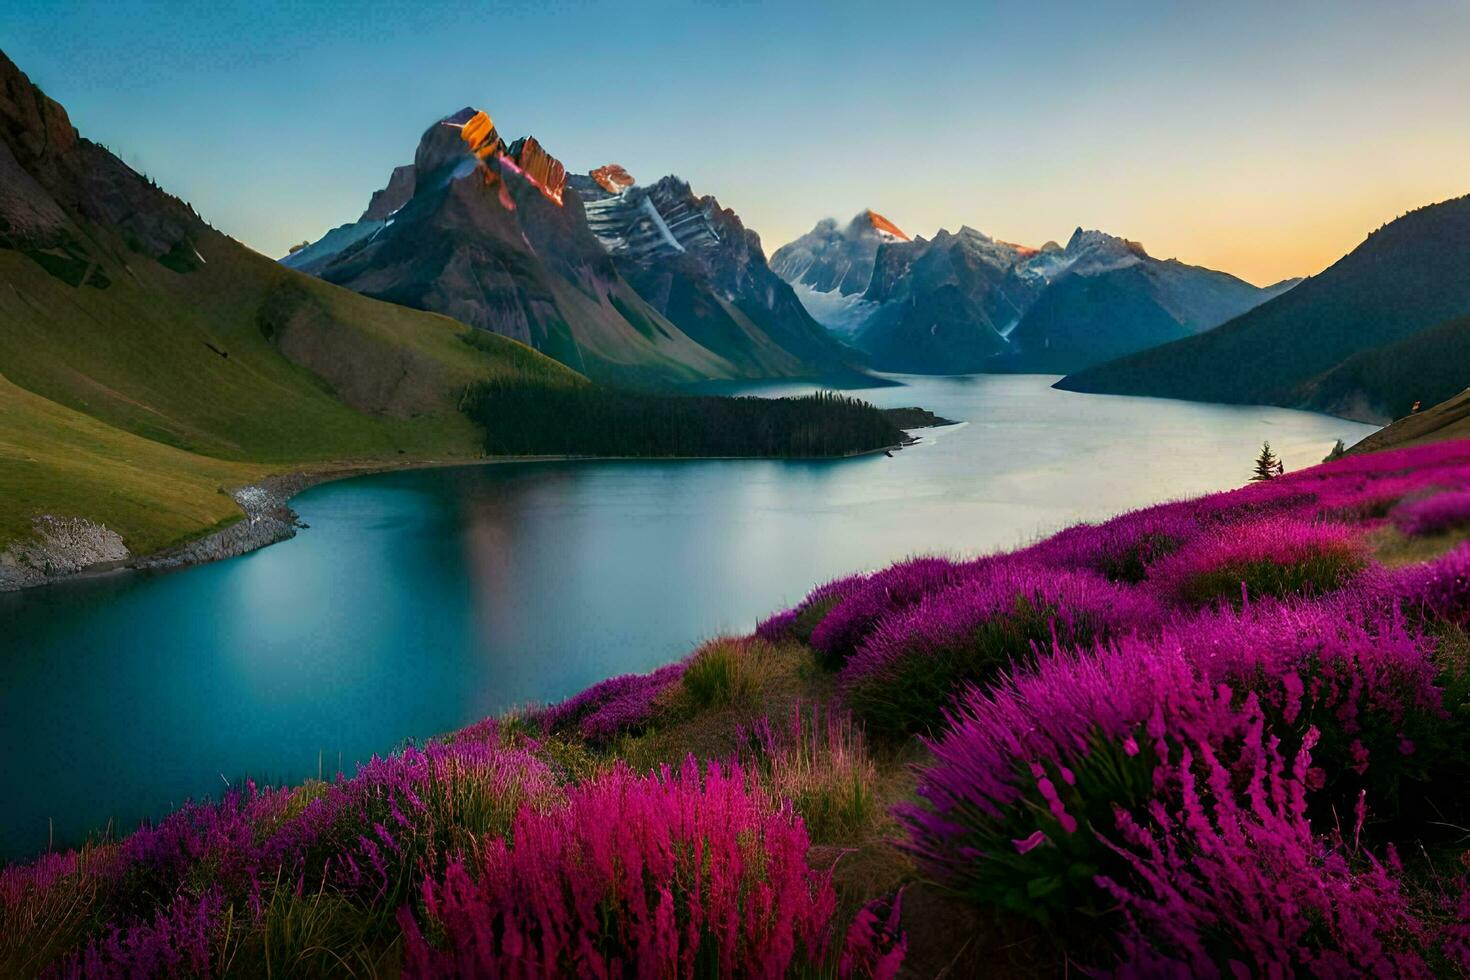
1262, 138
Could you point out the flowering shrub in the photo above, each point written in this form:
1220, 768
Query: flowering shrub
1222, 884
179, 941
1438, 589
1267, 557
1362, 676
687, 873
369, 837
853, 617
1124, 548
1433, 514
875, 945
799, 621
1027, 768
908, 669
605, 710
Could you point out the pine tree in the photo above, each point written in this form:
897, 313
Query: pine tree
1267, 465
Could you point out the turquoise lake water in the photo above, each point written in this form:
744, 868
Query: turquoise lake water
418, 602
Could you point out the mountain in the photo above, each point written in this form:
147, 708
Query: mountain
968, 302
147, 361
945, 305
830, 267
1336, 342
1106, 297
500, 237
1383, 383
697, 264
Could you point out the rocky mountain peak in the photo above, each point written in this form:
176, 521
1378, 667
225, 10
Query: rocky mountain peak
883, 226
35, 125
1092, 240
612, 178
529, 158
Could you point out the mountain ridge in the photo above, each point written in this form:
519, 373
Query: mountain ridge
964, 301
560, 275
1409, 275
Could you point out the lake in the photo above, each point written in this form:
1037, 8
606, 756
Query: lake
421, 601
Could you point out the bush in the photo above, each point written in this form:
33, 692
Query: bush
1436, 590
1223, 884
619, 705
726, 672
1434, 514
918, 659
1366, 679
846, 623
1026, 770
1123, 549
1272, 557
685, 873
798, 622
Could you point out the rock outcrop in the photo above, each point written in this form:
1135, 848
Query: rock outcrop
61, 546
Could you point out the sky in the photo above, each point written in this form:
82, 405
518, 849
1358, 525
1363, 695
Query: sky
1264, 139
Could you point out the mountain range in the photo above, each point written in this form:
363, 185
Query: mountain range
963, 302
636, 285
1382, 328
147, 361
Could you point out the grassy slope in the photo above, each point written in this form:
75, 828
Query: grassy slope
59, 461
136, 358
1448, 420
137, 355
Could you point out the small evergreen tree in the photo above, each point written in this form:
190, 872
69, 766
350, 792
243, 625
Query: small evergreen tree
1268, 467
1338, 451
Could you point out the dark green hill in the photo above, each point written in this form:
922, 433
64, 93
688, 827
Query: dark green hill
1428, 367
1408, 276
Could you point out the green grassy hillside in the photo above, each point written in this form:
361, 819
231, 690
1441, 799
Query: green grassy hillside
1450, 419
58, 461
134, 404
312, 371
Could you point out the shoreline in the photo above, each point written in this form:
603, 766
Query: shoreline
74, 549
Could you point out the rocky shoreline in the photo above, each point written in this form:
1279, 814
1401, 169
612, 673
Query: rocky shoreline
267, 519
68, 547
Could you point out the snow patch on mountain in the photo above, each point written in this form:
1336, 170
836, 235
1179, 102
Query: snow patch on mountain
842, 313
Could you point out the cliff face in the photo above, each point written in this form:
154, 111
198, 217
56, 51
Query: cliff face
52, 180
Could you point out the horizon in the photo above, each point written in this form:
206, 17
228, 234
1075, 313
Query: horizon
1282, 140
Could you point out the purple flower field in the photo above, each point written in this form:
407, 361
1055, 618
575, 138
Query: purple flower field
1227, 736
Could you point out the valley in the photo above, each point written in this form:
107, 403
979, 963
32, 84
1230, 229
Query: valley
430, 548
